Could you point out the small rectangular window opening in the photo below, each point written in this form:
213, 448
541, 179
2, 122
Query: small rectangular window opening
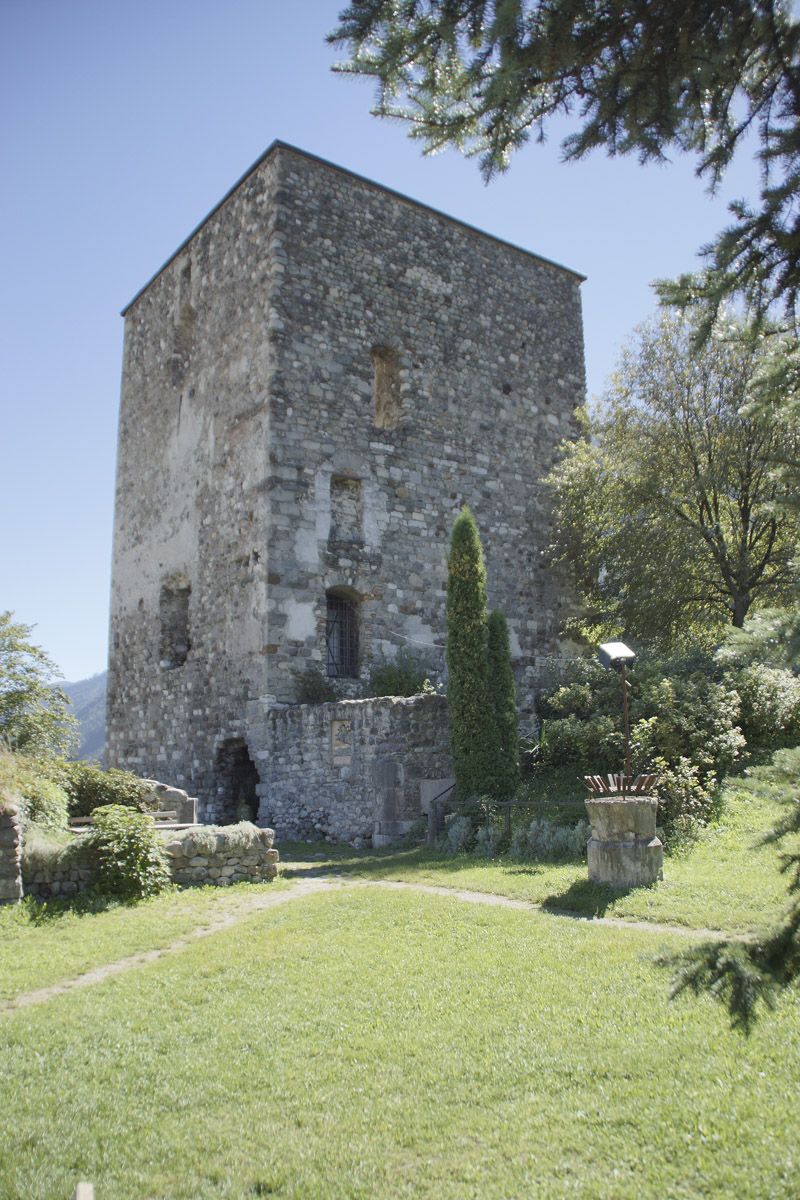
346, 509
174, 614
386, 387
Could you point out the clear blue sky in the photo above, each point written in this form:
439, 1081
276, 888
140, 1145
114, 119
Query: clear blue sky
122, 125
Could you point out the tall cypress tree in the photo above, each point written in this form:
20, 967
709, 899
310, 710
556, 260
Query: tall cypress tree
503, 700
472, 733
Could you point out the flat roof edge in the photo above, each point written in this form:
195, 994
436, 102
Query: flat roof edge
277, 144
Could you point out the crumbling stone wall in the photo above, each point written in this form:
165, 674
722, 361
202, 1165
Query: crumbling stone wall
197, 856
312, 387
58, 874
221, 857
10, 853
353, 770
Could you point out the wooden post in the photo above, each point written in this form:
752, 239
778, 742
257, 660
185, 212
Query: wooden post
84, 1191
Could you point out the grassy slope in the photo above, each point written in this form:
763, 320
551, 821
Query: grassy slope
394, 1045
727, 882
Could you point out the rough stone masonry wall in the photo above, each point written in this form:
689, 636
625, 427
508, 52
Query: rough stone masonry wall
192, 501
350, 770
10, 853
488, 345
255, 473
202, 855
57, 875
222, 856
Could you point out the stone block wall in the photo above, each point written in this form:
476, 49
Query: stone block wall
312, 387
350, 771
57, 876
220, 857
10, 853
202, 855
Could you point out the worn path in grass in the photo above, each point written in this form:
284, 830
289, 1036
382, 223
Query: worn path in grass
305, 887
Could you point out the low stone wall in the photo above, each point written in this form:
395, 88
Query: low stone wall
10, 853
200, 855
57, 875
221, 856
352, 770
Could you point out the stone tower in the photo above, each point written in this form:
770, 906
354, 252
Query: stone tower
313, 384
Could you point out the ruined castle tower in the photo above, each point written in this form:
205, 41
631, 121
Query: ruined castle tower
314, 383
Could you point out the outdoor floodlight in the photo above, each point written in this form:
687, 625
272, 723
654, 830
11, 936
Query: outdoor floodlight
616, 655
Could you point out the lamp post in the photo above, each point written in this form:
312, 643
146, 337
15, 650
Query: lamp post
616, 655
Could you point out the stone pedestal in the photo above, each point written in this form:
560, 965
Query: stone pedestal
623, 850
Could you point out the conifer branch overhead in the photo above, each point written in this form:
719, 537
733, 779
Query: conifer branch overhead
654, 79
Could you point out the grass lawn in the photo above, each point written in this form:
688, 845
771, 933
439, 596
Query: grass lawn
726, 882
41, 944
371, 1044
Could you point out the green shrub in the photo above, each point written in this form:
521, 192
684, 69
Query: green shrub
687, 799
593, 743
43, 850
503, 701
680, 708
407, 675
35, 783
695, 715
543, 841
770, 706
489, 839
312, 687
472, 727
126, 852
89, 787
459, 835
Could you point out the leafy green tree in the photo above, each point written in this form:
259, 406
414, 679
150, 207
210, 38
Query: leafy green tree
485, 76
503, 700
34, 713
667, 513
472, 730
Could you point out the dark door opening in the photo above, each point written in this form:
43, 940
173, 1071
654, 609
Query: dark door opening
237, 780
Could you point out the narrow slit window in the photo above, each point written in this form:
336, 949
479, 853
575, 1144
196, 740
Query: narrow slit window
341, 636
386, 387
174, 613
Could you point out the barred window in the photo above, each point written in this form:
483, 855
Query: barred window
341, 636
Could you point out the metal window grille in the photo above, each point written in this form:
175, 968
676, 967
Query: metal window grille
341, 637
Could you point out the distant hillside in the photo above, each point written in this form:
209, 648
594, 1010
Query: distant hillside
88, 698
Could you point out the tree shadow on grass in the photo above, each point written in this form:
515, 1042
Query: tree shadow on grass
83, 904
307, 861
586, 898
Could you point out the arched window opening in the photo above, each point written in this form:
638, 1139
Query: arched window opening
174, 613
341, 636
